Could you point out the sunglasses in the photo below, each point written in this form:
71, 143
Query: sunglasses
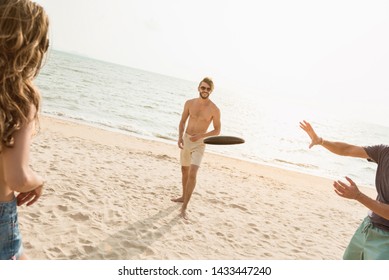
205, 88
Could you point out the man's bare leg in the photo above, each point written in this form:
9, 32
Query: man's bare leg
190, 185
185, 172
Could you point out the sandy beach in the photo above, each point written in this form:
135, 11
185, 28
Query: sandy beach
107, 196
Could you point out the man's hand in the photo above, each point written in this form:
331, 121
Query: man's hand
195, 137
347, 191
29, 197
180, 143
316, 140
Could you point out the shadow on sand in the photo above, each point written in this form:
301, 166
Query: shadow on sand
136, 239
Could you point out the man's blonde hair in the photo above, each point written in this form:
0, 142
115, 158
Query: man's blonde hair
208, 81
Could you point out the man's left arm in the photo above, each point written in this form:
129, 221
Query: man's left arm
216, 122
351, 191
217, 126
377, 207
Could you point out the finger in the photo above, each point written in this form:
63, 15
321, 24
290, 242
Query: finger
20, 197
304, 127
35, 199
23, 194
339, 193
338, 187
22, 201
344, 185
19, 200
25, 199
350, 181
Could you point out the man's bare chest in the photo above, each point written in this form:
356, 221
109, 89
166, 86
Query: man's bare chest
201, 114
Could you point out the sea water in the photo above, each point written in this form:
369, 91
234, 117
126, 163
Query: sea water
149, 105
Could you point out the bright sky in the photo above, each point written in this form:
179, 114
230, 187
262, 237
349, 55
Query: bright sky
334, 52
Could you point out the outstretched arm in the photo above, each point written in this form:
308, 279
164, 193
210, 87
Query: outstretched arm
351, 191
339, 148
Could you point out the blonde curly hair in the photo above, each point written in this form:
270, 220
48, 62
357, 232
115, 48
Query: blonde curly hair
23, 42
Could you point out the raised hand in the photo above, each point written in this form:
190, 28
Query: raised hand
316, 140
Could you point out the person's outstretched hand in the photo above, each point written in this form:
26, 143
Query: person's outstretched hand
350, 191
316, 140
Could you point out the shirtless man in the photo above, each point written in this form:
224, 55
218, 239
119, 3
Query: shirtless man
201, 112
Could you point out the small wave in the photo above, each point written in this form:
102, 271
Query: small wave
160, 136
127, 129
58, 114
174, 113
65, 116
304, 165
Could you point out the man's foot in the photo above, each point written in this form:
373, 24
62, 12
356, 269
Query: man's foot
178, 199
183, 214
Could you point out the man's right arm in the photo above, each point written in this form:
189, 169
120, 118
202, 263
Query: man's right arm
344, 149
339, 148
181, 126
